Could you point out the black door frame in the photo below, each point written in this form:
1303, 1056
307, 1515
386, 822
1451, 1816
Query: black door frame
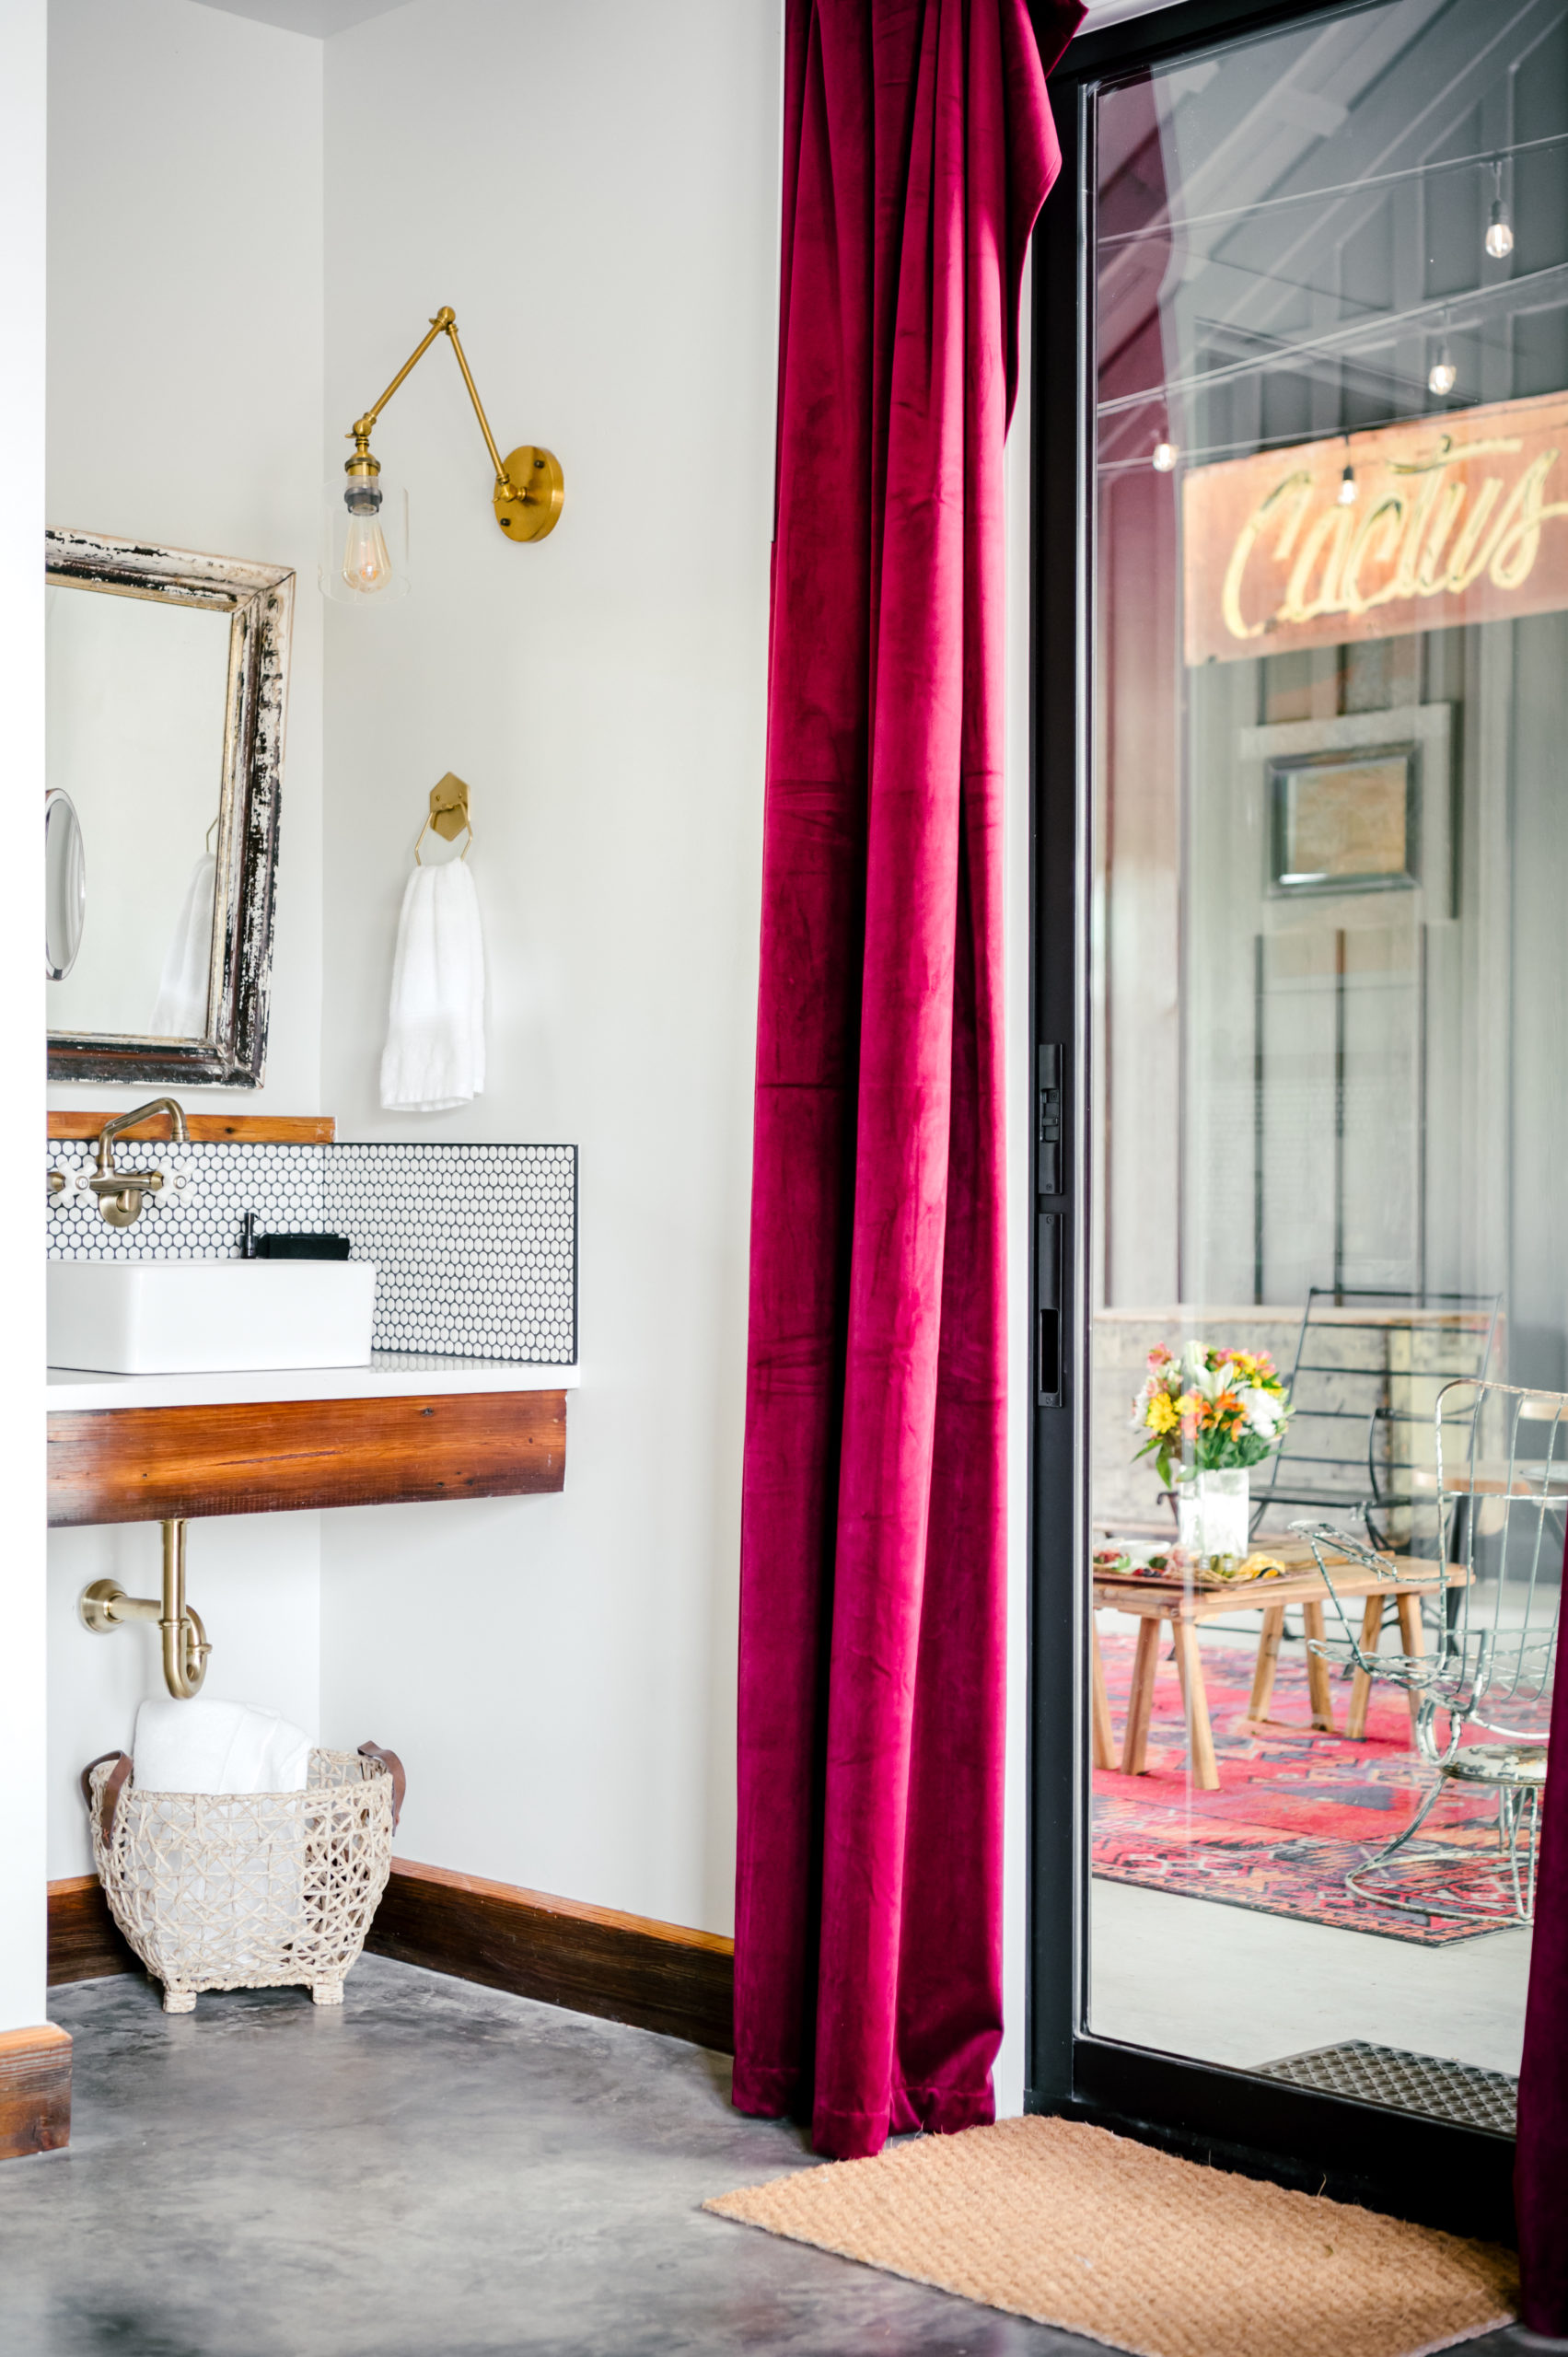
1447, 2176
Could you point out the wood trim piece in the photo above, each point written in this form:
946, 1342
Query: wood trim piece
621, 1968
205, 1129
146, 1463
35, 2091
84, 1941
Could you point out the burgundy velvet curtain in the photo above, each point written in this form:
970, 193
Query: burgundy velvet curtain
1540, 2168
918, 148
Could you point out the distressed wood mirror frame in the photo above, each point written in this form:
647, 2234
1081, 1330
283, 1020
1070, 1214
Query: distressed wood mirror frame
259, 600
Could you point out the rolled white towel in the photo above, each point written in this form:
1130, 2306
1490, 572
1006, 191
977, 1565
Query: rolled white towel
180, 1009
205, 1747
434, 1052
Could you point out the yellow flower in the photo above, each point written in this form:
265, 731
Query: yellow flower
1161, 1415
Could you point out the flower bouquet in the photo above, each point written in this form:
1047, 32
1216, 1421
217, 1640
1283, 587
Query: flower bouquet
1207, 1418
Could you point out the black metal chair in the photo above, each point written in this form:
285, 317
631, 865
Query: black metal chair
1369, 1366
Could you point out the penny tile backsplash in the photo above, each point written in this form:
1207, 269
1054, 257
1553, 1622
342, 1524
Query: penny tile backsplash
475, 1246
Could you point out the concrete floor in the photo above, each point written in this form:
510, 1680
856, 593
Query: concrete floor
436, 2171
1241, 1988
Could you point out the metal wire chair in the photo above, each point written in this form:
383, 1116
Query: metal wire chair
1500, 1498
1368, 1368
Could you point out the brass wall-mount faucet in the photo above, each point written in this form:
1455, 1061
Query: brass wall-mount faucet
121, 1193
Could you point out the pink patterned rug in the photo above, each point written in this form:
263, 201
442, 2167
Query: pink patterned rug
1294, 1813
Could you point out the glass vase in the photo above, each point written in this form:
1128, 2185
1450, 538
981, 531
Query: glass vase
1213, 1512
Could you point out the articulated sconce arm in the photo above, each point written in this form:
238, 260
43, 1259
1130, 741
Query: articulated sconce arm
528, 482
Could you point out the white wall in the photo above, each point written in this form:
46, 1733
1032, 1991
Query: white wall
558, 1672
185, 267
602, 214
185, 311
22, 129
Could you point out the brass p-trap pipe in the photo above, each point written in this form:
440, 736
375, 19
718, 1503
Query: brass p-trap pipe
105, 1607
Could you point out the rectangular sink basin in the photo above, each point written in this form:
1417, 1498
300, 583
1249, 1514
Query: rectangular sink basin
201, 1317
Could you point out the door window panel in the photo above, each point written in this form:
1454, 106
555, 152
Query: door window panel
1329, 1003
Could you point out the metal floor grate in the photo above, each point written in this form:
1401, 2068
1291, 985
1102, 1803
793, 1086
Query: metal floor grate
1422, 2082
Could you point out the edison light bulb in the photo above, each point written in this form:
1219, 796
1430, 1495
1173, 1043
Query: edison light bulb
367, 566
1347, 488
1443, 375
1500, 234
1164, 458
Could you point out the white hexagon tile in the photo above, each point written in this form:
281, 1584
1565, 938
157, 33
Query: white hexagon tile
475, 1246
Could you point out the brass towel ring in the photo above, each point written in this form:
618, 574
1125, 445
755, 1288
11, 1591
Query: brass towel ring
448, 814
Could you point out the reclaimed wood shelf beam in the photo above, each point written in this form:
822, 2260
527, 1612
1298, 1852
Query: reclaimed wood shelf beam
152, 1463
205, 1129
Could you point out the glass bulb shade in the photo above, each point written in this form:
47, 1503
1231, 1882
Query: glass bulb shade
364, 554
366, 565
1500, 233
1165, 458
1443, 377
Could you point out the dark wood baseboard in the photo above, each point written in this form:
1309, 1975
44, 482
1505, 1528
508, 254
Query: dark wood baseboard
84, 1941
35, 2091
622, 1968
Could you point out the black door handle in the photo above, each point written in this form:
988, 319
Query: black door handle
1048, 1283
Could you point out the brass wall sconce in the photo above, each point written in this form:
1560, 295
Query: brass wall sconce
366, 552
105, 1607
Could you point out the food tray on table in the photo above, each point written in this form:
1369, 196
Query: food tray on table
1196, 1571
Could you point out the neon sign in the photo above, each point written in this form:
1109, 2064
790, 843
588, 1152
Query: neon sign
1454, 520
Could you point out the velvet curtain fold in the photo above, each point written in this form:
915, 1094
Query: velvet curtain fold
1540, 2167
918, 149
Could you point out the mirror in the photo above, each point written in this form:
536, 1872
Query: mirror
166, 684
64, 885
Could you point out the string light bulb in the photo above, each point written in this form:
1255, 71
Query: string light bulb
1443, 375
1347, 488
1165, 458
1500, 229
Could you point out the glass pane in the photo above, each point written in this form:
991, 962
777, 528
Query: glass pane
1329, 977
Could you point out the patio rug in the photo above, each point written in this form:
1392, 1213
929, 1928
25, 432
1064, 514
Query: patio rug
1295, 1811
1072, 2226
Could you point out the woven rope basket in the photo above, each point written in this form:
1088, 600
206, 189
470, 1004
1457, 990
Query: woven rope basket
252, 1890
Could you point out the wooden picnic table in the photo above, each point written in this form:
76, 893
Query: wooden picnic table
1155, 1600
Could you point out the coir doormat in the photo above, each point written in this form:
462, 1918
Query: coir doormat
1072, 2226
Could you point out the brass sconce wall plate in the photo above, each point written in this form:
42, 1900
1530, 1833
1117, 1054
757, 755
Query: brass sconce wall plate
529, 501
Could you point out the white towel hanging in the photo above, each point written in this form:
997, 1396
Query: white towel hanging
180, 1009
435, 1053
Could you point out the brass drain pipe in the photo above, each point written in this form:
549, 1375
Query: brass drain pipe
105, 1607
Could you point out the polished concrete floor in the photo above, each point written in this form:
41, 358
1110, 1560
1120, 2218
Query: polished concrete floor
436, 2171
1241, 1988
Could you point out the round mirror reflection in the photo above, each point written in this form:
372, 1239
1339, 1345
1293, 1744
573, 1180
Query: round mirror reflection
64, 885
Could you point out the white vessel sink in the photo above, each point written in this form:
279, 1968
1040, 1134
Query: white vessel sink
198, 1317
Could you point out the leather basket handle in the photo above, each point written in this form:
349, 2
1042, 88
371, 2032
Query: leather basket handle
394, 1767
109, 1796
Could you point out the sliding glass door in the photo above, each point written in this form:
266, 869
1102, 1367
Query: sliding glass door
1302, 1244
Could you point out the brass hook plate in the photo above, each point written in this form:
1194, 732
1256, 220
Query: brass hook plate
448, 814
541, 489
